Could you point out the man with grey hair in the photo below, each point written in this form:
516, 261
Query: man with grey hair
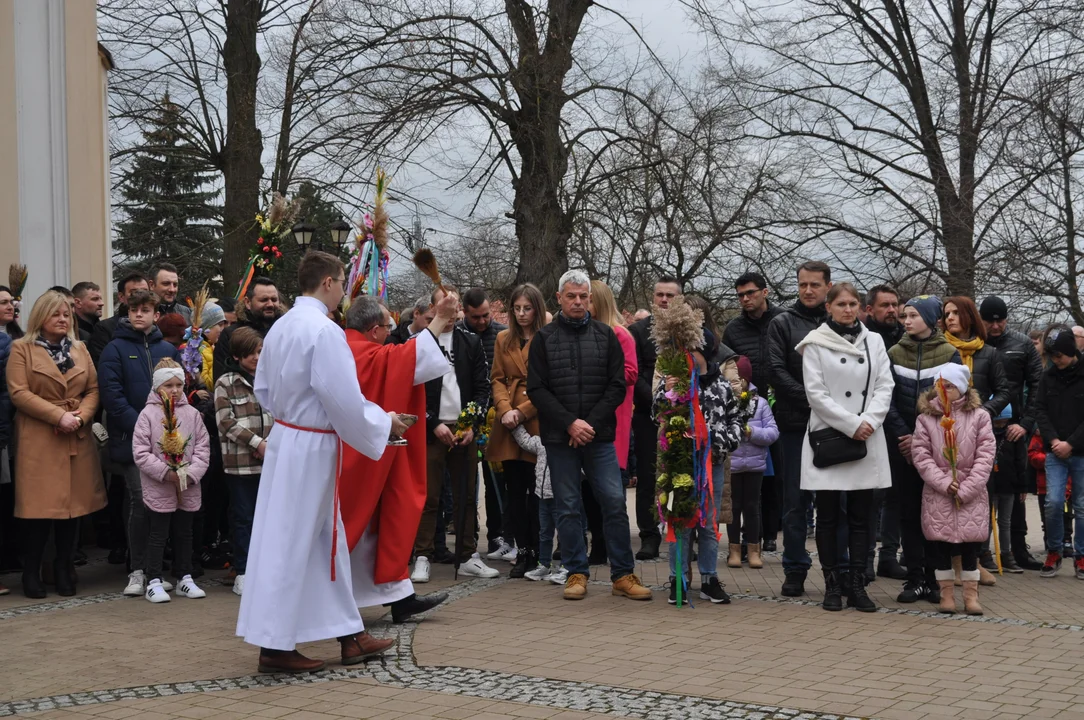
423, 314
394, 488
576, 380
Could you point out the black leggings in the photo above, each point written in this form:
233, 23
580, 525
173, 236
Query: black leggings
36, 537
943, 553
521, 504
745, 496
159, 526
858, 516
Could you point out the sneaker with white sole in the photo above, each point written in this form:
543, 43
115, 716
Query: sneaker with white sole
189, 589
238, 585
137, 584
559, 576
156, 593
539, 573
167, 586
421, 571
504, 552
476, 568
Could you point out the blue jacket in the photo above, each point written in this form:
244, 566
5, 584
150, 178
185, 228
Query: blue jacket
124, 380
6, 411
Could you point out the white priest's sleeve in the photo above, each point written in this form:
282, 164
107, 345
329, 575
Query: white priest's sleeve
359, 423
429, 360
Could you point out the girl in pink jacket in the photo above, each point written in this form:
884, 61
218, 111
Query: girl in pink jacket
955, 511
170, 496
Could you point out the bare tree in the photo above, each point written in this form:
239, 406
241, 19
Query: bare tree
905, 103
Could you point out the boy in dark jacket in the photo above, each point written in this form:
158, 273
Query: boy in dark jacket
125, 372
1059, 412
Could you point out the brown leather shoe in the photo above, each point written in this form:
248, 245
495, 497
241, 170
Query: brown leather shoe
287, 661
357, 648
576, 587
631, 587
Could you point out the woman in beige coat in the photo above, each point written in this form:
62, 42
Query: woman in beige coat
54, 389
513, 409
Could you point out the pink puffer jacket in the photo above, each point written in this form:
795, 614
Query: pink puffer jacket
160, 495
941, 519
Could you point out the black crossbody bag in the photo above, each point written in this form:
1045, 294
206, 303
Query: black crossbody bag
830, 446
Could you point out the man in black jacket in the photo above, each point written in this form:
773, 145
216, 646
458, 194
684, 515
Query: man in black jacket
576, 380
445, 399
260, 312
1024, 371
644, 428
424, 312
882, 317
88, 308
792, 411
104, 329
747, 335
166, 284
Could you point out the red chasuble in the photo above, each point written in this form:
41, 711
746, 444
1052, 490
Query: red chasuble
390, 492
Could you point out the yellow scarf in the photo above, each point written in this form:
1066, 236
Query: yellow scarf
967, 349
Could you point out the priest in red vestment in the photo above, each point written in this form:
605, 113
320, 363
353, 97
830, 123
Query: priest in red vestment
382, 500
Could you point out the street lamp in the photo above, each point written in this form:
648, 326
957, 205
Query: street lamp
303, 232
340, 233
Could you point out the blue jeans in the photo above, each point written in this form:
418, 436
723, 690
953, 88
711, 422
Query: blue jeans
795, 556
1057, 475
243, 491
708, 541
547, 525
598, 460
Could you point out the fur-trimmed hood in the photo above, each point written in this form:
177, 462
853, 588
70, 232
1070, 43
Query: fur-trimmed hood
930, 404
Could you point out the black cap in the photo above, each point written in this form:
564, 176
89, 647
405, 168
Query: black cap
1064, 343
993, 308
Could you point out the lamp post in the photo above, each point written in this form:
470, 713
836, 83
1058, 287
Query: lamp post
303, 232
340, 233
339, 230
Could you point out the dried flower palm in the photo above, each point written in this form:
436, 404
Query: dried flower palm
680, 327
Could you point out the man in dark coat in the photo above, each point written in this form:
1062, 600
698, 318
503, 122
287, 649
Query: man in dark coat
260, 311
88, 308
478, 319
747, 335
576, 380
644, 428
1023, 370
792, 411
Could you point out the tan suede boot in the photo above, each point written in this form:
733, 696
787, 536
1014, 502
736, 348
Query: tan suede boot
755, 561
948, 596
733, 560
971, 598
986, 578
957, 568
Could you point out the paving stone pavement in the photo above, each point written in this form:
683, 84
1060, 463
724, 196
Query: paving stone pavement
512, 649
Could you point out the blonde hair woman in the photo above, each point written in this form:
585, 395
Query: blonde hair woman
604, 309
58, 479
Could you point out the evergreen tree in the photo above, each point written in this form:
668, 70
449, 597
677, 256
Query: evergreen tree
321, 213
170, 214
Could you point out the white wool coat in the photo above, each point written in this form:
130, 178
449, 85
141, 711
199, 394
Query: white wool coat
835, 379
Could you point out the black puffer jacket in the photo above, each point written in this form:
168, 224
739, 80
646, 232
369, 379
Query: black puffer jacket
749, 337
988, 379
891, 334
785, 362
1059, 407
1023, 369
576, 371
646, 354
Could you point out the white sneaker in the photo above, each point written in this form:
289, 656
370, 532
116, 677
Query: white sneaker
238, 585
504, 552
421, 571
167, 586
539, 573
190, 589
156, 593
559, 576
137, 584
476, 568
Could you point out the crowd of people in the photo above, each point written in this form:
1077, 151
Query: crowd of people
869, 421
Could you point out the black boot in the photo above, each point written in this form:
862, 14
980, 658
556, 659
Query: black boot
405, 609
833, 598
858, 598
794, 584
32, 585
65, 581
525, 561
889, 567
649, 548
987, 561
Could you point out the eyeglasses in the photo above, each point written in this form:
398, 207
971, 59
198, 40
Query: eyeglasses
748, 293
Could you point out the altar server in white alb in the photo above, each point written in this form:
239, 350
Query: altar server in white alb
298, 585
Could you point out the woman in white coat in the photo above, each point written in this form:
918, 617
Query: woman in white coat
848, 382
